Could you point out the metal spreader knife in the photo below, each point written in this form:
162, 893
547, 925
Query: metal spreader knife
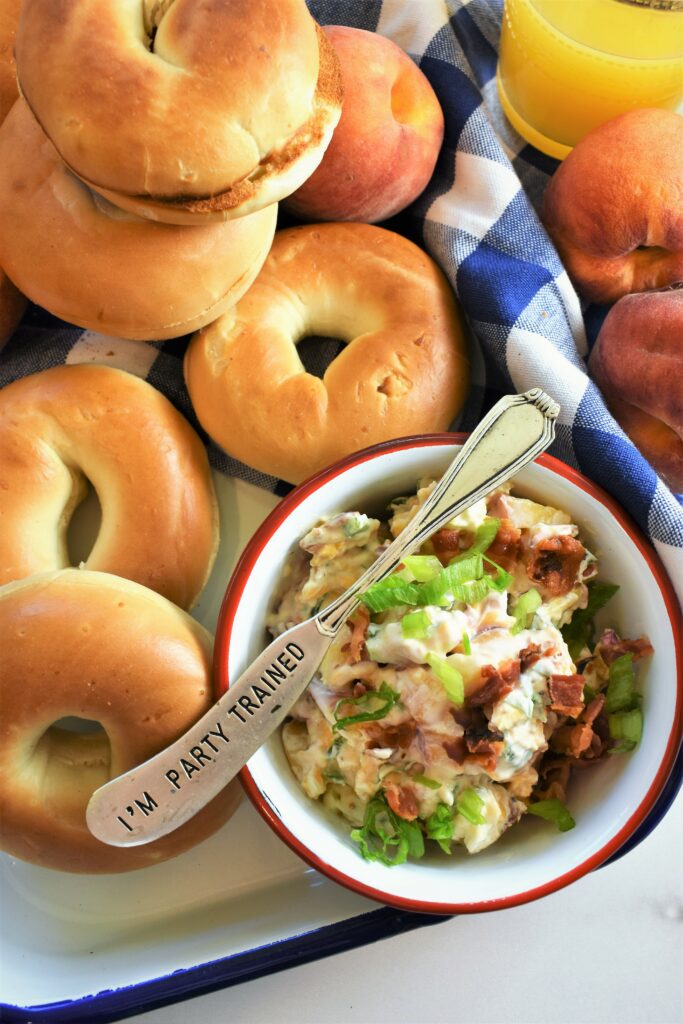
157, 797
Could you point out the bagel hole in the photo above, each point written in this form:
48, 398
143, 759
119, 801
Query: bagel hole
75, 754
84, 527
316, 352
74, 724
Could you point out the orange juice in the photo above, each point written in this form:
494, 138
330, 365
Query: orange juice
567, 66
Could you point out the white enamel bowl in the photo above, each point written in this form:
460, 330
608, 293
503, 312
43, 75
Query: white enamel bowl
609, 801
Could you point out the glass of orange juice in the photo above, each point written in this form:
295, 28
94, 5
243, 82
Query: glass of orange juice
567, 66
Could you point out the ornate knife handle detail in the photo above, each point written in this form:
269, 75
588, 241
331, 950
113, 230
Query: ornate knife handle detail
514, 432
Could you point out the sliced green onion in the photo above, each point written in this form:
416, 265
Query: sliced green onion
525, 608
502, 580
621, 685
626, 726
449, 677
466, 645
354, 525
384, 693
555, 811
424, 780
423, 567
578, 634
416, 625
485, 534
440, 827
390, 593
462, 580
474, 592
447, 586
470, 805
383, 831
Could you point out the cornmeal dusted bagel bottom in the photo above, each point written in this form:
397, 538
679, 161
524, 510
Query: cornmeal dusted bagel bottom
103, 649
404, 369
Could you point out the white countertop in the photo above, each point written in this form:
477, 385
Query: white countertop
608, 948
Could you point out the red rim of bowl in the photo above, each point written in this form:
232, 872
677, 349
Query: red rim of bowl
233, 597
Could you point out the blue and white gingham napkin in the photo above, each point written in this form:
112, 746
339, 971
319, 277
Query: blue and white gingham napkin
478, 219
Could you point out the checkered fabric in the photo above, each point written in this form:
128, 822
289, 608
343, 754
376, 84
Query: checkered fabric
478, 219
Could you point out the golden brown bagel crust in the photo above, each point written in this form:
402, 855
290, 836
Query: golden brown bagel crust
405, 370
12, 306
148, 467
614, 208
9, 16
637, 362
91, 645
178, 102
89, 263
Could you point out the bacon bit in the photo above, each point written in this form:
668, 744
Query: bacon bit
554, 775
479, 743
496, 683
400, 736
555, 564
593, 709
610, 647
359, 625
585, 740
456, 749
573, 740
359, 689
531, 654
402, 801
446, 544
485, 751
506, 547
566, 694
472, 719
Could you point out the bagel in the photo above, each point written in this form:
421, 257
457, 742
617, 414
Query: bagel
614, 208
12, 306
182, 110
72, 252
91, 645
9, 16
147, 466
637, 362
403, 371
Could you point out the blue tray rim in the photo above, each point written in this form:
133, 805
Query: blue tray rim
186, 983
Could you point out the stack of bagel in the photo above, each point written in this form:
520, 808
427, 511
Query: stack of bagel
144, 148
140, 171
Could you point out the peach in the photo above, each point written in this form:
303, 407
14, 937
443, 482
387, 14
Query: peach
386, 144
614, 208
637, 362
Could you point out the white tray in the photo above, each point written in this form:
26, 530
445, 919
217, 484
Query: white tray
97, 948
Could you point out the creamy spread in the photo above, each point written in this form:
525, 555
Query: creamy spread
433, 719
